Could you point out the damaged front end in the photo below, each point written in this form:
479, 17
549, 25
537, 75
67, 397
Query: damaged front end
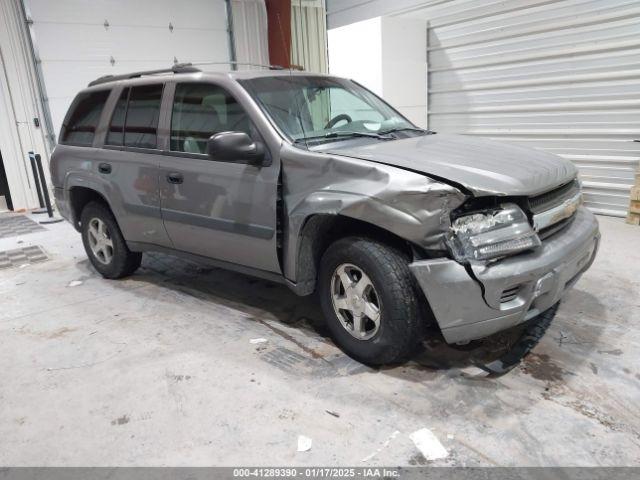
481, 262
504, 270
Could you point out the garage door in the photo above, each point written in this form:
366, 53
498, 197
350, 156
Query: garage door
561, 76
79, 40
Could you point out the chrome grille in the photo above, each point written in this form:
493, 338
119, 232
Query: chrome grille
553, 210
553, 198
555, 228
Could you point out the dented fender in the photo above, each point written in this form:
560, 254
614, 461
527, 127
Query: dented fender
405, 203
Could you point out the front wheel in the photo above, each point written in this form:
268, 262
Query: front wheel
370, 300
104, 244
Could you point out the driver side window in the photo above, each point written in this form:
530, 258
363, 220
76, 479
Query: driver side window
201, 110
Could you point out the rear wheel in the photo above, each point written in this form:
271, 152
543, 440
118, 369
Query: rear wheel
104, 244
369, 298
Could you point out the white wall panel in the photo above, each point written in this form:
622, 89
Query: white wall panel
75, 47
345, 12
388, 56
19, 105
193, 14
250, 32
404, 67
309, 35
355, 51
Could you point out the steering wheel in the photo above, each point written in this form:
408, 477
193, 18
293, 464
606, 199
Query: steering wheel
338, 118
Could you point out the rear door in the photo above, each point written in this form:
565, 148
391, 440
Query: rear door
129, 160
218, 209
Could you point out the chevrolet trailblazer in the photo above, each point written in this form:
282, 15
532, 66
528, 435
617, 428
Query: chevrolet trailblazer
316, 182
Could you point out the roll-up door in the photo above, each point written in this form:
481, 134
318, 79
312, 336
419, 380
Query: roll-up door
78, 41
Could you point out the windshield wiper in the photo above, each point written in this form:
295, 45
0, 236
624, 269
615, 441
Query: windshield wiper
357, 134
402, 129
331, 135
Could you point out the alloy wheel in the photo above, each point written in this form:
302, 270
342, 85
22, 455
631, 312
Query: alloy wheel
100, 241
355, 301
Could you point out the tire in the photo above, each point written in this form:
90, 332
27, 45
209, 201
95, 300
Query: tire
400, 328
121, 262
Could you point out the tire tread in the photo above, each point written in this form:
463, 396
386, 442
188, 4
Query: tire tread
402, 318
124, 262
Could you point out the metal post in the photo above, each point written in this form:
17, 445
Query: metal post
427, 78
43, 180
45, 192
34, 169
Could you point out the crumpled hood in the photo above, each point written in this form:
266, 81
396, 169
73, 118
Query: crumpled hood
484, 167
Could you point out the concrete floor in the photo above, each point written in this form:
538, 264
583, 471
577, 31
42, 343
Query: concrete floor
159, 369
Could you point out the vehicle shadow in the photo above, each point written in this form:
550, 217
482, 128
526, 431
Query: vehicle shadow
263, 300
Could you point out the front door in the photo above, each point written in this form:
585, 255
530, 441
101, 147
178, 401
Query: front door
218, 209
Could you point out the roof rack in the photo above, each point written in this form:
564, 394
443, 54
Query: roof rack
242, 64
183, 68
177, 68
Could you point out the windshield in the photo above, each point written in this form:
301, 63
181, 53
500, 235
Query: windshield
314, 108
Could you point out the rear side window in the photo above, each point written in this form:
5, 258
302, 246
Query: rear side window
134, 122
80, 127
201, 110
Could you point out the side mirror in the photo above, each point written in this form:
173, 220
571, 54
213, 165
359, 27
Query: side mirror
235, 147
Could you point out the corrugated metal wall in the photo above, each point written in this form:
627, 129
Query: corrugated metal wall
562, 76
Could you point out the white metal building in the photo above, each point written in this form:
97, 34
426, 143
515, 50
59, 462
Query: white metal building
560, 75
49, 50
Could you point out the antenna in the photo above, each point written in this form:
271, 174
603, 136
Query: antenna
284, 42
299, 112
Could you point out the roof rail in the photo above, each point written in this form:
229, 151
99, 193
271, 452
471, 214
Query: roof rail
249, 64
177, 68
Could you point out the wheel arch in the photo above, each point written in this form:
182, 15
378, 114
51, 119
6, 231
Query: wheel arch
79, 197
320, 230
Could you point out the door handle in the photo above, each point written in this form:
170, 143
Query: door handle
175, 177
104, 168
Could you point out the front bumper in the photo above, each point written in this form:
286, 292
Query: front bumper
514, 289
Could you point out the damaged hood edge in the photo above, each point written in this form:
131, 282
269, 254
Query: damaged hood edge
477, 166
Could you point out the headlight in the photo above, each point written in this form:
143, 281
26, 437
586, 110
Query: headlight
488, 235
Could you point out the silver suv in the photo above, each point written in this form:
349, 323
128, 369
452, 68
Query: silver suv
315, 182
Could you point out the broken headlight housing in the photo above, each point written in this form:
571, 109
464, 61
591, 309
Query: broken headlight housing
491, 234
